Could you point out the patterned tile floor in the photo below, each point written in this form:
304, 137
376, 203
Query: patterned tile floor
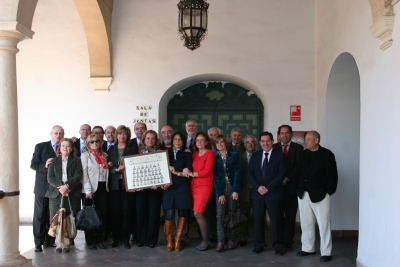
344, 254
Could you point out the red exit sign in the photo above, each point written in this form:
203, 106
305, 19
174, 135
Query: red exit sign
295, 113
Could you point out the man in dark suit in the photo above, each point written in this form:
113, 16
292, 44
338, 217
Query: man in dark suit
84, 131
237, 145
266, 171
317, 182
139, 128
290, 204
166, 133
250, 144
42, 157
100, 132
110, 136
191, 128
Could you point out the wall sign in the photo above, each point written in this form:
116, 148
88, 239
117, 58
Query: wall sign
295, 113
143, 113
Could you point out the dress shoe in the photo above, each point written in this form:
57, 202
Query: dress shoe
139, 245
151, 246
53, 245
279, 253
220, 247
303, 253
231, 245
242, 243
93, 247
127, 245
200, 248
325, 258
114, 244
65, 250
58, 250
258, 250
101, 245
38, 248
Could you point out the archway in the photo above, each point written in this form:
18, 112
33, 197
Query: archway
343, 138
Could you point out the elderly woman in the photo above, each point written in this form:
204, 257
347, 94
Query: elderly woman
95, 179
120, 199
227, 183
148, 201
65, 179
177, 196
201, 183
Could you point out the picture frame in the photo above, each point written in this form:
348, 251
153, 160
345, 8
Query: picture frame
146, 170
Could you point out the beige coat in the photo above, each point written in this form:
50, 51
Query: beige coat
92, 173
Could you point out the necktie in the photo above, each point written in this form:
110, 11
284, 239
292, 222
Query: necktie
285, 151
108, 147
55, 147
265, 165
248, 158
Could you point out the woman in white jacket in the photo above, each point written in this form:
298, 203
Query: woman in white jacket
95, 186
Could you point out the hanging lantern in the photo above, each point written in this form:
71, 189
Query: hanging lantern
192, 24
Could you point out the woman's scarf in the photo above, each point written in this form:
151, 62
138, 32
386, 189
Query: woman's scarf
99, 158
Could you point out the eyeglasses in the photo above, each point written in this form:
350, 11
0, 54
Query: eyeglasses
94, 141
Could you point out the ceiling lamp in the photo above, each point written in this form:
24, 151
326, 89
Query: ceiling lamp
192, 23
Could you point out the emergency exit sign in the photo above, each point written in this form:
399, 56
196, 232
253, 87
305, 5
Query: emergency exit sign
295, 113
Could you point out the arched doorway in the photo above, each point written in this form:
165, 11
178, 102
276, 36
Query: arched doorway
343, 138
224, 105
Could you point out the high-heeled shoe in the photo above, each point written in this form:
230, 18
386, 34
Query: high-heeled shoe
200, 248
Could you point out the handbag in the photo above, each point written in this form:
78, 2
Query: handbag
88, 218
57, 219
235, 217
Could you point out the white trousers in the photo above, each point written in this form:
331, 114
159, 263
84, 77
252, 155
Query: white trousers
308, 213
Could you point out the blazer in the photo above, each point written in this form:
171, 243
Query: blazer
92, 172
134, 145
275, 174
292, 166
233, 170
74, 174
43, 152
246, 186
113, 180
318, 176
240, 149
77, 145
183, 160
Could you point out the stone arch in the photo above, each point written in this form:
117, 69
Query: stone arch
96, 19
186, 82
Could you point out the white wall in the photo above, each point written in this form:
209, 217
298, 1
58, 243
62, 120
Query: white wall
380, 105
268, 45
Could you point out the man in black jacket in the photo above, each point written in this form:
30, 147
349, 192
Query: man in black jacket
317, 182
42, 157
290, 204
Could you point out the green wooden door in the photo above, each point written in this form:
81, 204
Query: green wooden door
225, 107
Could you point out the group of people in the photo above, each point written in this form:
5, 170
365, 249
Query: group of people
210, 176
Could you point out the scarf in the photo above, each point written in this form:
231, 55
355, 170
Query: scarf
99, 159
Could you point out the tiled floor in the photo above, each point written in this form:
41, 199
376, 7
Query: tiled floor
344, 254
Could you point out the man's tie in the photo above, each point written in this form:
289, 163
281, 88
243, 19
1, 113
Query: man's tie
285, 151
265, 165
248, 158
55, 147
108, 146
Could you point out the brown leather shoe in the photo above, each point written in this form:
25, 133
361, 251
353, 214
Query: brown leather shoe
179, 231
169, 231
220, 247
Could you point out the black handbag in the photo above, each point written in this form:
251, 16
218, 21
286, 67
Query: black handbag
88, 218
235, 217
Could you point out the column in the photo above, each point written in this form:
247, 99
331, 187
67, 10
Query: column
9, 165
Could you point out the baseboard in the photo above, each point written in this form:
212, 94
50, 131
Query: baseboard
345, 233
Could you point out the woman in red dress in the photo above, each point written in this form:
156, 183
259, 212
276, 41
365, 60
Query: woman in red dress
202, 183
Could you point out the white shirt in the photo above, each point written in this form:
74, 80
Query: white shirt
263, 156
288, 145
248, 156
64, 170
83, 142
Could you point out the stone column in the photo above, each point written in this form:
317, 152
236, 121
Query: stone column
9, 166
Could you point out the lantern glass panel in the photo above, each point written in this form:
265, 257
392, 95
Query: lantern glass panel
186, 18
196, 17
204, 22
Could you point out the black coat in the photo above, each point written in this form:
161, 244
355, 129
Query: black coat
43, 152
114, 183
292, 166
318, 174
183, 160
